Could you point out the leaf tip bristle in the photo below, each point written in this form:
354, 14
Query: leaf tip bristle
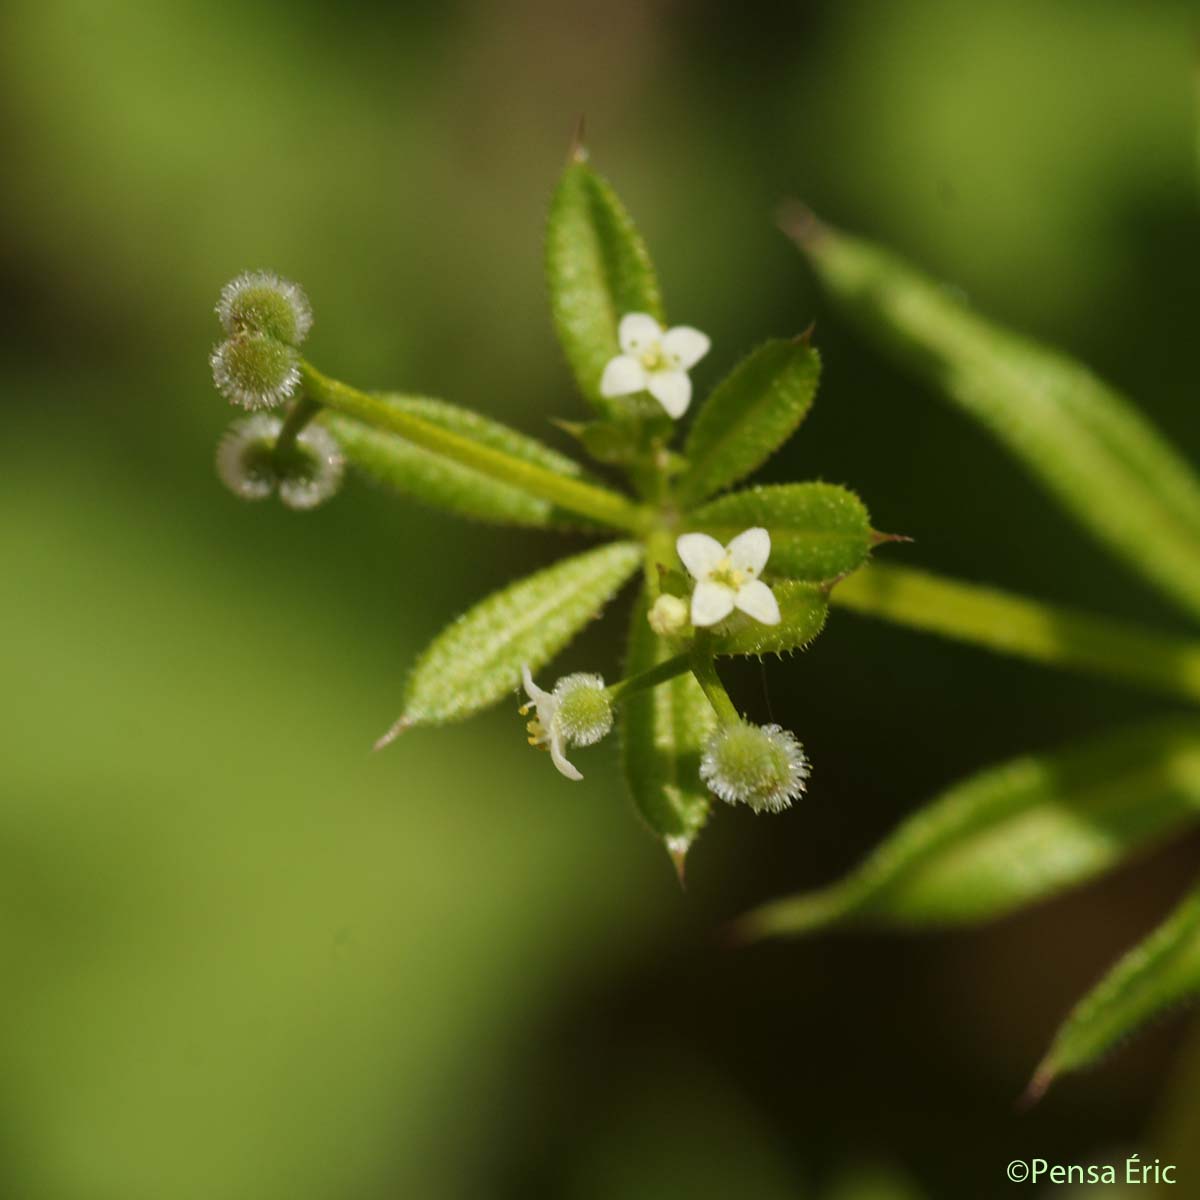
800, 223
879, 539
574, 428
677, 848
1036, 1088
578, 152
405, 722
826, 586
805, 338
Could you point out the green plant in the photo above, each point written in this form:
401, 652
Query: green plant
1030, 828
751, 572
680, 731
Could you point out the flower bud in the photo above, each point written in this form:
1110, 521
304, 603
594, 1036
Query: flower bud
585, 713
762, 766
311, 471
255, 371
261, 302
668, 615
245, 462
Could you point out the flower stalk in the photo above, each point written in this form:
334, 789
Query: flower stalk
704, 667
575, 495
680, 664
299, 415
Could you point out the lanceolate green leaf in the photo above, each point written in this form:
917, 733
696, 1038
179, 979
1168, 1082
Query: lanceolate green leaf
818, 530
802, 608
439, 481
663, 731
1093, 450
477, 659
597, 269
749, 415
1014, 834
1161, 972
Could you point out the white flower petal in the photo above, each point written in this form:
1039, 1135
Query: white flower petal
686, 345
532, 690
638, 332
711, 602
545, 702
750, 550
700, 553
757, 600
622, 377
672, 389
560, 759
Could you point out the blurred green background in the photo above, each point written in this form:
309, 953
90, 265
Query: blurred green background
245, 958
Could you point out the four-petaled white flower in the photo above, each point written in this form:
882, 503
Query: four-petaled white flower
727, 577
654, 360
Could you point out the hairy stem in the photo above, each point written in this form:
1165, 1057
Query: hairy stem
667, 669
660, 552
298, 417
574, 495
704, 668
1026, 628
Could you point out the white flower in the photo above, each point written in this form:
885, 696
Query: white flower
578, 712
727, 577
654, 361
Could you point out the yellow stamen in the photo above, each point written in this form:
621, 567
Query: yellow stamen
724, 573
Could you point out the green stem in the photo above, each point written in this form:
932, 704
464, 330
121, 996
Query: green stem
660, 550
298, 416
705, 669
574, 495
1026, 628
667, 669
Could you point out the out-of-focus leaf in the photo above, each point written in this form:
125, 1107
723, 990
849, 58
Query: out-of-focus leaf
874, 1183
802, 609
749, 415
663, 731
1014, 834
1031, 629
1098, 456
477, 659
436, 480
818, 530
597, 270
1163, 971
